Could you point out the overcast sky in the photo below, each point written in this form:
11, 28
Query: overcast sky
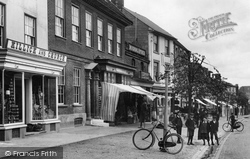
229, 54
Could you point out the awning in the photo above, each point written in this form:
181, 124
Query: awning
90, 66
127, 88
150, 95
221, 102
209, 101
199, 101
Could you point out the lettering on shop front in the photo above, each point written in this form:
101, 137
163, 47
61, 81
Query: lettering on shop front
34, 50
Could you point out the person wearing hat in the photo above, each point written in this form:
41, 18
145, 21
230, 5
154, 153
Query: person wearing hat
190, 124
178, 123
214, 125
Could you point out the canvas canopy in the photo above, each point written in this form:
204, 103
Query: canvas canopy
199, 101
209, 101
110, 97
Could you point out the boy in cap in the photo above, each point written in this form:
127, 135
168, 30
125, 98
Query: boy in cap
214, 125
190, 124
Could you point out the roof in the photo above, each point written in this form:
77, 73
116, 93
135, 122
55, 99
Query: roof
110, 9
149, 23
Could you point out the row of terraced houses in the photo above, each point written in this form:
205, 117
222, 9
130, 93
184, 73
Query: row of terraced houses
61, 60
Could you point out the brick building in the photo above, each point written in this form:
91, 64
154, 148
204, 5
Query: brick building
29, 71
91, 34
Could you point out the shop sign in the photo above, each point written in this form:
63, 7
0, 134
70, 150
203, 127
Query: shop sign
119, 70
35, 51
136, 50
145, 75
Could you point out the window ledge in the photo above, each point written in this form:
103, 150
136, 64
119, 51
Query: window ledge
77, 42
62, 105
77, 105
60, 37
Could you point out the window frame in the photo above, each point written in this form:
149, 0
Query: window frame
156, 73
100, 35
61, 86
89, 30
166, 43
155, 43
110, 38
2, 25
60, 18
76, 85
118, 42
32, 27
75, 24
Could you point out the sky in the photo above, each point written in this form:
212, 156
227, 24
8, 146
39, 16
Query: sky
229, 52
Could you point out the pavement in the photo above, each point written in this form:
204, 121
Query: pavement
76, 134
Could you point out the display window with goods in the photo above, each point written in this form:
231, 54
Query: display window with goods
43, 97
11, 109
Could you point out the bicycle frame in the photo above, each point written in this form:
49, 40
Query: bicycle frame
155, 136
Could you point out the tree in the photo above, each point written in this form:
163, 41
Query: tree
189, 76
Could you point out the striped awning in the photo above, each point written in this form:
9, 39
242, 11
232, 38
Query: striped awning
209, 101
199, 101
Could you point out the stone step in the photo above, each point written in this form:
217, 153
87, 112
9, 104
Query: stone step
98, 122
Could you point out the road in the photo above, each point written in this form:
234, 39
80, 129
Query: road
121, 146
236, 144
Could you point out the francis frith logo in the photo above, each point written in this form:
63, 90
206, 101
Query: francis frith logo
212, 27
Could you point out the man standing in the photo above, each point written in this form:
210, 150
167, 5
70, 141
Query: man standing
178, 123
214, 125
190, 124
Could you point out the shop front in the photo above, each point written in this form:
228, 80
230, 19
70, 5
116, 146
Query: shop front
28, 90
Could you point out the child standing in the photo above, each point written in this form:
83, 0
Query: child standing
214, 125
190, 124
204, 130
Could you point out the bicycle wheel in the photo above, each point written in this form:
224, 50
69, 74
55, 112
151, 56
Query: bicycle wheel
239, 126
173, 143
143, 139
226, 127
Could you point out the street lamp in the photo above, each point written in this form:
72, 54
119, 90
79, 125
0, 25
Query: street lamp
167, 70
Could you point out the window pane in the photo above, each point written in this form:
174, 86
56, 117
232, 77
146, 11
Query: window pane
12, 98
100, 27
88, 21
118, 35
110, 32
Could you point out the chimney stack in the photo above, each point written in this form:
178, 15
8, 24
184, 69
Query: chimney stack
118, 3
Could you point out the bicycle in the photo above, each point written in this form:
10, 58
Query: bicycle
145, 138
237, 125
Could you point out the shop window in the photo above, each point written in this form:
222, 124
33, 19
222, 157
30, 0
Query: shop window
12, 97
61, 87
1, 102
43, 97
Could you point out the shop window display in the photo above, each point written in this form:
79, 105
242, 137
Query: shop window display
44, 97
12, 97
1, 103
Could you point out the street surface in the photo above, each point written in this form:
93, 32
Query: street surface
236, 144
121, 146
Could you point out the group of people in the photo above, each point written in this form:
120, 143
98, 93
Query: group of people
205, 128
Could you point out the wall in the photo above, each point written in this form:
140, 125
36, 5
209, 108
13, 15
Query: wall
15, 20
